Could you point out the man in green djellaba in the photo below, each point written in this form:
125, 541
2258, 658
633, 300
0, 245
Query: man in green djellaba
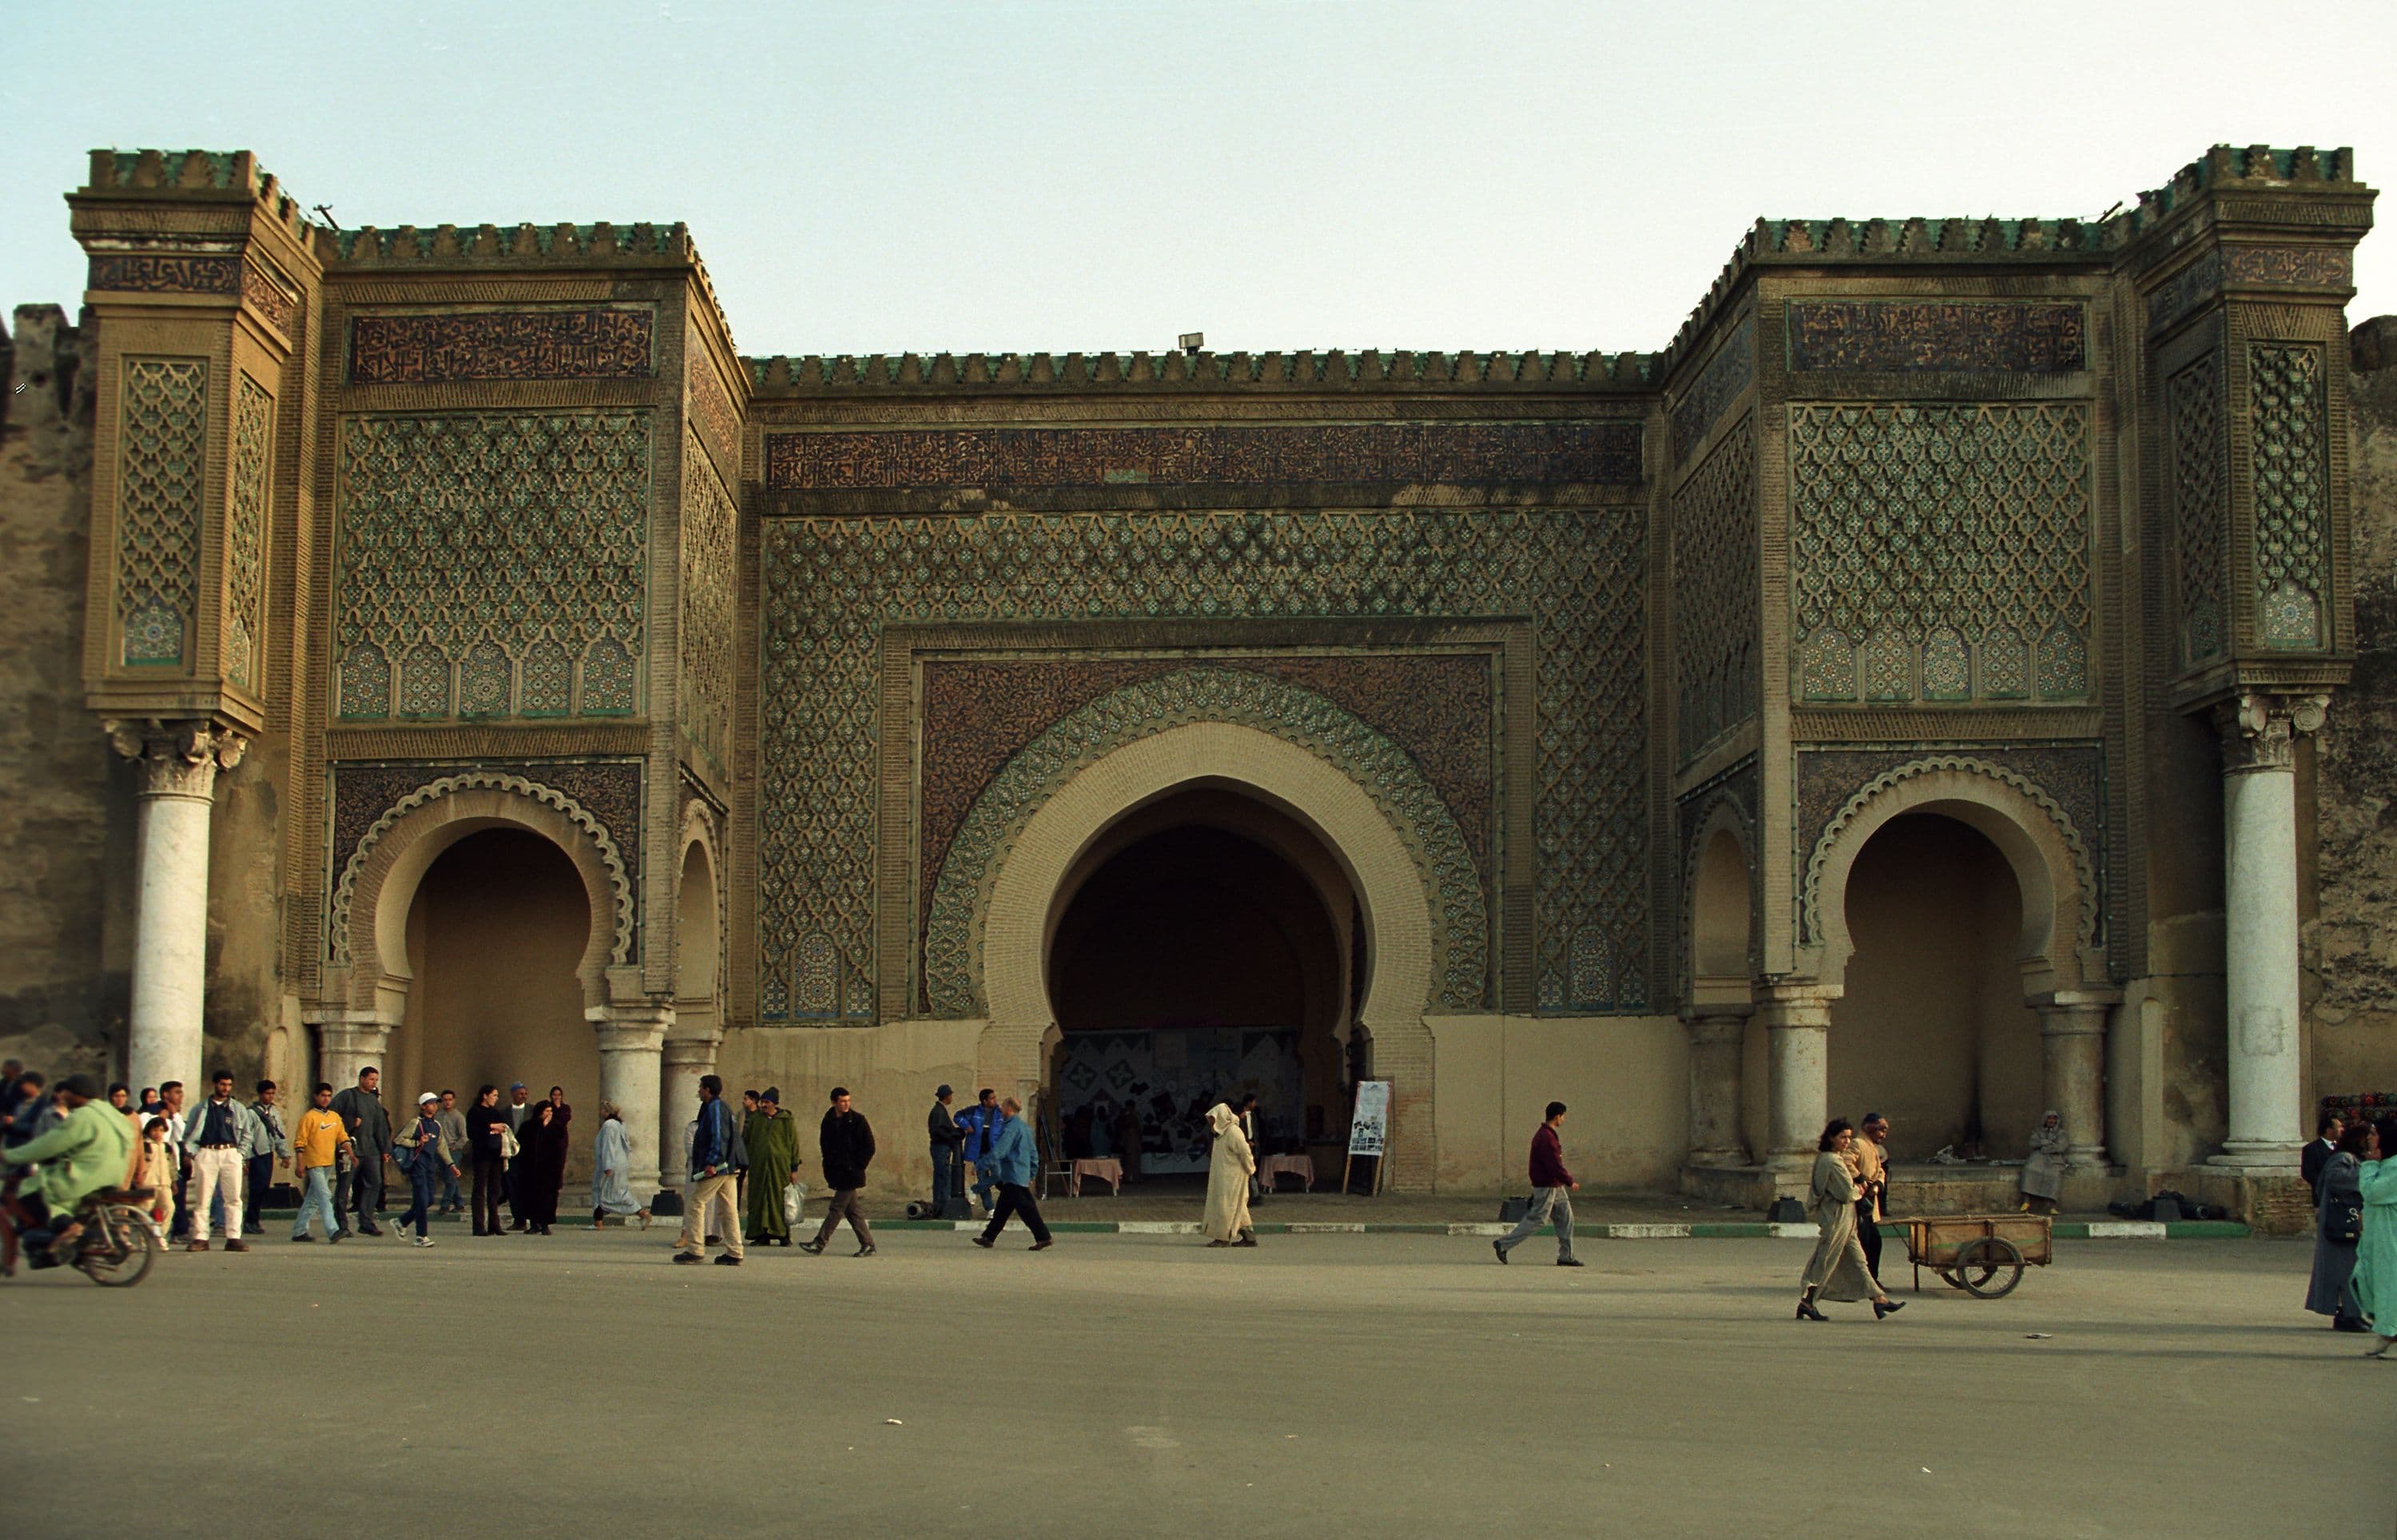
772, 1136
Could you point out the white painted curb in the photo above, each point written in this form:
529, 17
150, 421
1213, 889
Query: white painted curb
2126, 1229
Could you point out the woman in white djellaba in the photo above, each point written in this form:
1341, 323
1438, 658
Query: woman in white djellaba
2042, 1173
612, 1172
1837, 1269
1227, 1181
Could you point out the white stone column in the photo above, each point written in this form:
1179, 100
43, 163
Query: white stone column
177, 764
2072, 1054
632, 1041
1718, 1036
1798, 1030
684, 1059
348, 1041
2259, 902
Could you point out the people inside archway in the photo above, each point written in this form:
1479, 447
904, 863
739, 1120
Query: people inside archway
946, 1139
487, 1122
612, 1172
424, 1151
2327, 1129
1128, 1139
981, 1125
1552, 1191
713, 1164
772, 1137
260, 1174
1229, 1168
1013, 1162
519, 1108
219, 1139
1837, 1269
2338, 1226
846, 1141
2373, 1286
2042, 1171
90, 1150
453, 1129
1869, 1163
543, 1142
362, 1110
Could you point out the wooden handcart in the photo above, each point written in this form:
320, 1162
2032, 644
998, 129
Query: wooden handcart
1983, 1254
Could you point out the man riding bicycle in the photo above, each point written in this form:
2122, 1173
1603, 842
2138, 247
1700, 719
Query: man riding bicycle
91, 1152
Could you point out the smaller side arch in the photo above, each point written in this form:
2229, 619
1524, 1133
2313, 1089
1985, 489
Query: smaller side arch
380, 881
2051, 862
1718, 880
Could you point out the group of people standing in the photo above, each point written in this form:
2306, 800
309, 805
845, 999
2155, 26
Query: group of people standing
2352, 1169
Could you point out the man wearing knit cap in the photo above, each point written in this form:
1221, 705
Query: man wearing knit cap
772, 1136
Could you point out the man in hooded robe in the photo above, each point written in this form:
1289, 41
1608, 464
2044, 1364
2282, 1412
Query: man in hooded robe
772, 1136
1229, 1171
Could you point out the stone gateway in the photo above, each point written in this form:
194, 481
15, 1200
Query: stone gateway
439, 648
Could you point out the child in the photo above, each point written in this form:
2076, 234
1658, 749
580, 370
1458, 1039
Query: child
160, 1173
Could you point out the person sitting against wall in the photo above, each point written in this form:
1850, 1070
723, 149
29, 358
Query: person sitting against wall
2042, 1173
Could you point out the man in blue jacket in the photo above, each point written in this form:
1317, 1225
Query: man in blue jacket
714, 1179
1011, 1162
980, 1124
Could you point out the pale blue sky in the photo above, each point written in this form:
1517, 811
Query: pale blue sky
1095, 174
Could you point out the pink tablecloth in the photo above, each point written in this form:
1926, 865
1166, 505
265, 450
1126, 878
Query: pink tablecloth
1301, 1166
1106, 1170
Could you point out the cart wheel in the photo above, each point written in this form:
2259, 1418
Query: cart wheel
1989, 1267
1949, 1277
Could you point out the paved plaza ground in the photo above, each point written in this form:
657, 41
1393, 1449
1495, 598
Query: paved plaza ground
1134, 1385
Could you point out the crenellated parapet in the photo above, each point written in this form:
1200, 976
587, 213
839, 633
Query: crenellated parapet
1371, 370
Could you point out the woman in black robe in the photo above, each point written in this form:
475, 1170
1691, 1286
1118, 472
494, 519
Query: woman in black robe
543, 1137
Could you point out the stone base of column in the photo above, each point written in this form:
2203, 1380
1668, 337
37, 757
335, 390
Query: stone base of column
2273, 1159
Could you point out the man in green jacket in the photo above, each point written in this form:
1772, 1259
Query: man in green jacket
92, 1149
772, 1136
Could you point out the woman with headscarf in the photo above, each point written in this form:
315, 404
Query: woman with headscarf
2042, 1173
1227, 1181
544, 1141
2338, 1207
1837, 1269
612, 1171
2372, 1286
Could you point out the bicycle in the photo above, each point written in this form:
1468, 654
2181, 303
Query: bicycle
114, 1250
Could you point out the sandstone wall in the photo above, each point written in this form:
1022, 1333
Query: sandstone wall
2351, 937
62, 968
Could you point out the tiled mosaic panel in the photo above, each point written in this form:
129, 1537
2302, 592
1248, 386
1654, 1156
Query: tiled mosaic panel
495, 562
162, 462
705, 700
1460, 937
2292, 483
831, 585
1955, 336
1715, 599
543, 344
2201, 509
1940, 552
253, 470
1727, 373
1605, 452
1440, 708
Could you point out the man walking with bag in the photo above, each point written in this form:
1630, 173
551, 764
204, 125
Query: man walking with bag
1552, 1191
261, 1164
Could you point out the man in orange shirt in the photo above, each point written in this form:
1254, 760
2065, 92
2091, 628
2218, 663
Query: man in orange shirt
1869, 1162
316, 1142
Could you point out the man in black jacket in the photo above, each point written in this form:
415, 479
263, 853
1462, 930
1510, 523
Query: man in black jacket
361, 1108
846, 1142
948, 1138
2327, 1129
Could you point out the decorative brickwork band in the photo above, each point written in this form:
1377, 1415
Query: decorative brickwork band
1956, 337
164, 272
1601, 452
544, 344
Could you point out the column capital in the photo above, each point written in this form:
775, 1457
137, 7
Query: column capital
2260, 729
177, 759
691, 1053
1717, 1023
1787, 1005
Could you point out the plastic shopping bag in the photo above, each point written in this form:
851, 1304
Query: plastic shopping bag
794, 1198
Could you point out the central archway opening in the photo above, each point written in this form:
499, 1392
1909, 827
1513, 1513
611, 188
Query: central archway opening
1932, 1029
496, 929
1205, 945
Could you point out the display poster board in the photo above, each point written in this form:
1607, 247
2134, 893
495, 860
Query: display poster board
1368, 1124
